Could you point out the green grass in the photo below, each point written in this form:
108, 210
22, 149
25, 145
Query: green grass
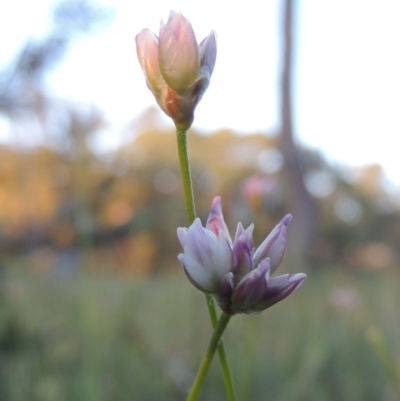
109, 338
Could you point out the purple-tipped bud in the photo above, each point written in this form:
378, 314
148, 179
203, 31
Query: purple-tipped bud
243, 252
251, 288
274, 245
278, 288
216, 222
177, 69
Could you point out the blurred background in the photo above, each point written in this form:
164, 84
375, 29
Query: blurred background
301, 116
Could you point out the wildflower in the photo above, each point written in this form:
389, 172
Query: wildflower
237, 275
177, 69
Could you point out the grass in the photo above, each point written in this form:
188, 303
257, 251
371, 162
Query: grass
107, 338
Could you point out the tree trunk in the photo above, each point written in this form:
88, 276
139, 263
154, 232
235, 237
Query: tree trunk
301, 204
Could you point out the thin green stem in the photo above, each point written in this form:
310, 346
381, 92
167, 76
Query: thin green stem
207, 359
186, 175
191, 214
223, 359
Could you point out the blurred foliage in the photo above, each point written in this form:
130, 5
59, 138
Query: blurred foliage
121, 209
35, 113
386, 357
103, 337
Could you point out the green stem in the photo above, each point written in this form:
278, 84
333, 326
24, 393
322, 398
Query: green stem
191, 214
186, 176
206, 362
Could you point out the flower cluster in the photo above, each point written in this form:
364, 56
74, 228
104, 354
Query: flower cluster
177, 69
233, 271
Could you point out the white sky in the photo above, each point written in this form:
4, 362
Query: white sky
347, 71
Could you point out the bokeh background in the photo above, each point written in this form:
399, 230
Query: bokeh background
301, 116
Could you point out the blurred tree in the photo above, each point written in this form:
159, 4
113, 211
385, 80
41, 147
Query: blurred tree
122, 209
23, 96
301, 204
39, 118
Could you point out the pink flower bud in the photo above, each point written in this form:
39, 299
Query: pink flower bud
216, 222
177, 69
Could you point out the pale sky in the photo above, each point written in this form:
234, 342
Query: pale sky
347, 81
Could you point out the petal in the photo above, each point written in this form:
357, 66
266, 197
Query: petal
279, 288
245, 235
216, 222
208, 52
201, 277
199, 241
224, 294
251, 288
243, 251
274, 245
239, 231
212, 253
147, 52
178, 53
182, 234
146, 39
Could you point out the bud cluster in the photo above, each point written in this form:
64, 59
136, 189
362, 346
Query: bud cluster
234, 272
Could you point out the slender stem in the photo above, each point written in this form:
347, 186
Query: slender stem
223, 359
186, 176
191, 214
205, 363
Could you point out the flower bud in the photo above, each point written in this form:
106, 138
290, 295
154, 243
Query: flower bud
216, 222
278, 288
251, 288
274, 245
243, 252
177, 69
